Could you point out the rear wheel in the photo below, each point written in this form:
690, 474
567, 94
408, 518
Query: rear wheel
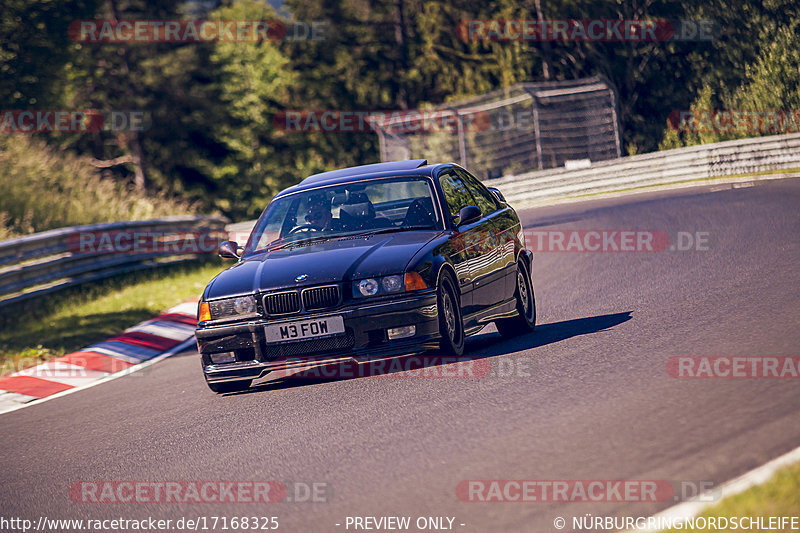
525, 321
229, 386
451, 325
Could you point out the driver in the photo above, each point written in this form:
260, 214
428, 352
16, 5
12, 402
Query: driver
318, 214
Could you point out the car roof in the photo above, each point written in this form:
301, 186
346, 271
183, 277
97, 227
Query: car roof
408, 167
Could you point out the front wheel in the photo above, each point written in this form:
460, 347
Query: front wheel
525, 321
451, 325
229, 386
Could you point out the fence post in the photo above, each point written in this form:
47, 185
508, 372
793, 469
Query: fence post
537, 131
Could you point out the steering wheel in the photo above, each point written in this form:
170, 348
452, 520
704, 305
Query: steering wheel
303, 227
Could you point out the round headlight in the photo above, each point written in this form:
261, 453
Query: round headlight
245, 305
392, 283
368, 287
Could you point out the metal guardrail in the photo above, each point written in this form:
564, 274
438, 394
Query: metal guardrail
740, 157
44, 262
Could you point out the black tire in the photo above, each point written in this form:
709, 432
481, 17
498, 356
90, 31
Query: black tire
451, 325
229, 386
525, 321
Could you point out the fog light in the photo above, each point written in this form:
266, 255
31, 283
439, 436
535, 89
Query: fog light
222, 357
401, 332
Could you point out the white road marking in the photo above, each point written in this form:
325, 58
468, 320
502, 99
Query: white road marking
61, 372
160, 329
757, 476
10, 401
186, 308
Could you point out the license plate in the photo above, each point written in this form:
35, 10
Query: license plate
305, 329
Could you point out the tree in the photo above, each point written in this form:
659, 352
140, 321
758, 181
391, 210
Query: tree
252, 80
770, 85
35, 49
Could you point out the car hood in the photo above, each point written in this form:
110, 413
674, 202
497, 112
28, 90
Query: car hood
333, 261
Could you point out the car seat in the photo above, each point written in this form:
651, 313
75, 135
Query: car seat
420, 213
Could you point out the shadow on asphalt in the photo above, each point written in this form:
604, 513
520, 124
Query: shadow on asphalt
479, 352
493, 344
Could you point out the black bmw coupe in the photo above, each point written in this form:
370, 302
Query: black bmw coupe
364, 263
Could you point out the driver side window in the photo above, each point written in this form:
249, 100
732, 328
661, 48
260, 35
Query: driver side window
456, 193
485, 199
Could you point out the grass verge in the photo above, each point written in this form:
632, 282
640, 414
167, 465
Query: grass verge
63, 322
780, 496
43, 188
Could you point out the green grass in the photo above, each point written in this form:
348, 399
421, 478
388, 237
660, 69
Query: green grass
780, 496
43, 188
68, 320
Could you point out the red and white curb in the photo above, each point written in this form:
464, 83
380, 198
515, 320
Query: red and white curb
138, 347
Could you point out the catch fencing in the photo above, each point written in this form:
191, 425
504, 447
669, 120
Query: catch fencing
511, 130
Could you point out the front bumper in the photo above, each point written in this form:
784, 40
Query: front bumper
364, 339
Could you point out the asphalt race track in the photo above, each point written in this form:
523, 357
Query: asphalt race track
585, 397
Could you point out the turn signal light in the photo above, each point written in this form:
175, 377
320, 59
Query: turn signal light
414, 282
205, 312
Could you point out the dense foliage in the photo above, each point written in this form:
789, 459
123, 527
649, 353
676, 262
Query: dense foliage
41, 189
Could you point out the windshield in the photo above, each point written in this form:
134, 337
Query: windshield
385, 205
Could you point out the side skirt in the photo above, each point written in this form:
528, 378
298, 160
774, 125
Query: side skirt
476, 321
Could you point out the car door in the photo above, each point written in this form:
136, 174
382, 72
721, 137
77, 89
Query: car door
463, 241
491, 268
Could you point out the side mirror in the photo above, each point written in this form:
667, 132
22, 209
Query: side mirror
228, 250
498, 194
468, 215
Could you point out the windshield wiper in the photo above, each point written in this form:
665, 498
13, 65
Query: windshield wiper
394, 229
303, 242
312, 240
325, 238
